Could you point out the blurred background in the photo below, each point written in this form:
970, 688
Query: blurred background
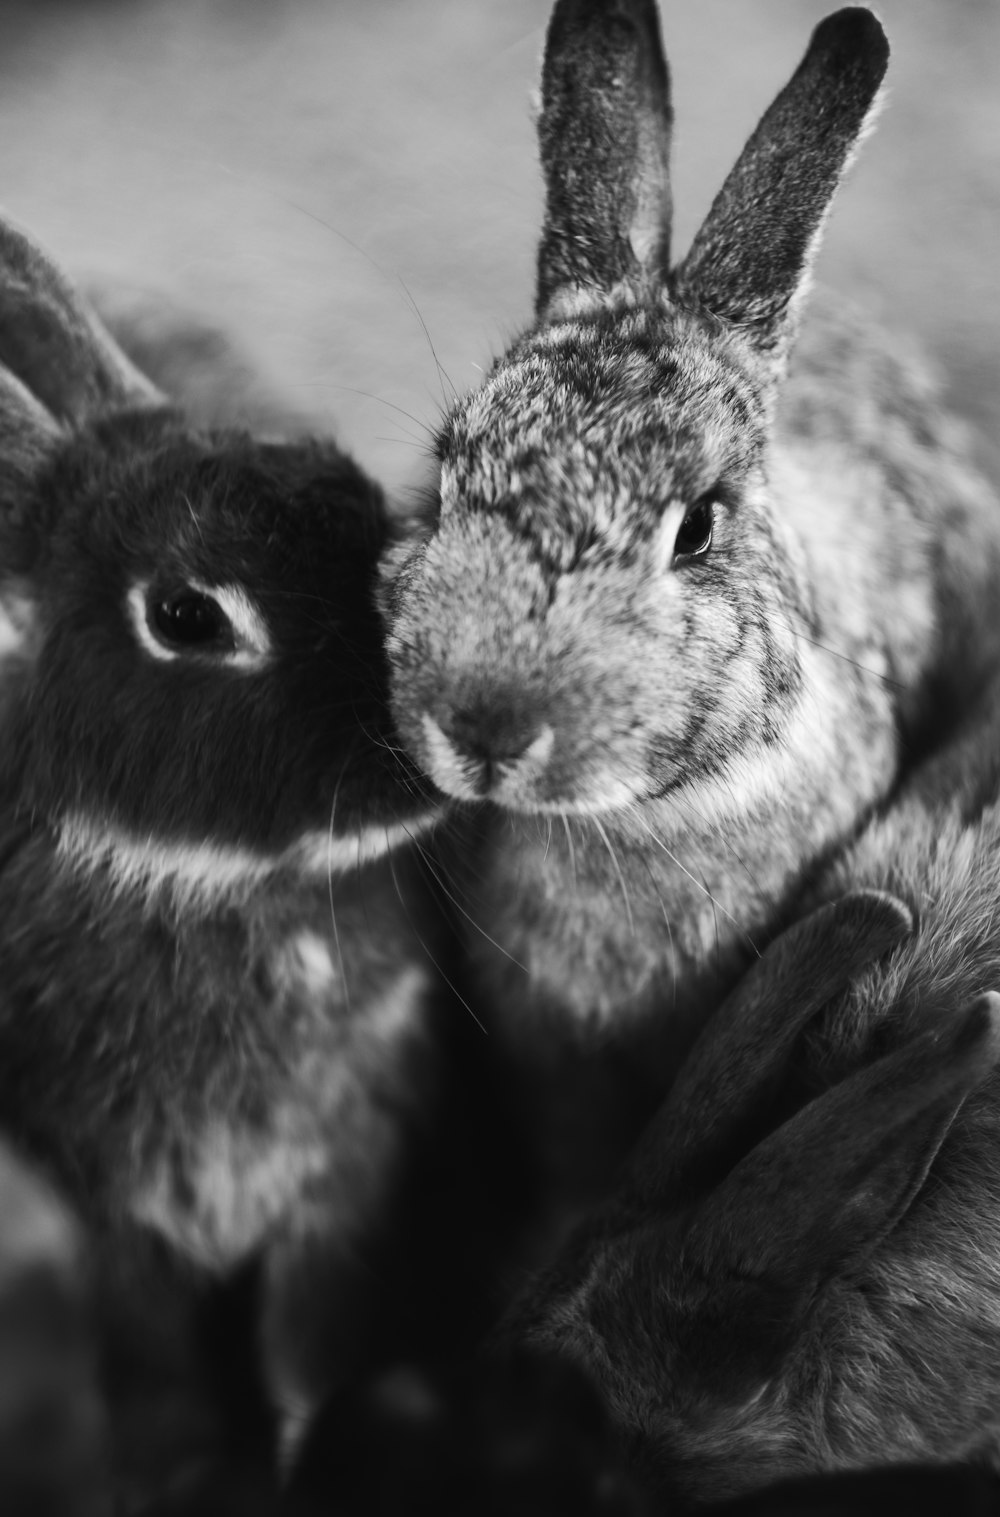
347, 183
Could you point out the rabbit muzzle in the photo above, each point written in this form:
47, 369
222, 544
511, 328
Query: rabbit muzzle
537, 696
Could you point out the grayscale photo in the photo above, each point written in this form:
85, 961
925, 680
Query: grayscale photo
499, 758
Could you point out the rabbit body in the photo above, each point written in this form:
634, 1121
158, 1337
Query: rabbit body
685, 601
799, 1272
214, 986
666, 731
218, 1077
830, 634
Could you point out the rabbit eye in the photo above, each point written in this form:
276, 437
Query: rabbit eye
695, 535
191, 620
219, 622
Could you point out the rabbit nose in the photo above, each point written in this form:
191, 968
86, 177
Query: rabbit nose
473, 749
493, 735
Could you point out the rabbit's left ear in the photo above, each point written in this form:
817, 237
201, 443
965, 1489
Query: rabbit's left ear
54, 345
752, 255
604, 135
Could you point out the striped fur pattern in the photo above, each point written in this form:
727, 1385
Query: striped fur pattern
800, 1271
213, 988
693, 585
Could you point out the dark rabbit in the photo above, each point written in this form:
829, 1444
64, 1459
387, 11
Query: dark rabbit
800, 1270
213, 982
673, 618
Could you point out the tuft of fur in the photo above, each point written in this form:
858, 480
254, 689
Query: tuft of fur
652, 737
215, 986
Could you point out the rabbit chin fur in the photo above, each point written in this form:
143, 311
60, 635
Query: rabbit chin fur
668, 726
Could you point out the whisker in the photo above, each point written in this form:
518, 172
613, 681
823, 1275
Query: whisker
335, 231
694, 879
666, 922
438, 969
602, 833
442, 375
846, 658
379, 399
424, 858
715, 830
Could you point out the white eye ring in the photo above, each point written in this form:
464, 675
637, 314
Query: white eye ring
253, 647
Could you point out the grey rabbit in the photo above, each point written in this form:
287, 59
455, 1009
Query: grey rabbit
214, 975
684, 602
799, 1270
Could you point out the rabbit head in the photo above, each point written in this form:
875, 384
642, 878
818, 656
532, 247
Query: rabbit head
716, 1301
191, 671
600, 600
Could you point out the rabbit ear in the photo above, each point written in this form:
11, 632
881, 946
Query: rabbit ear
54, 345
752, 255
27, 434
728, 1082
831, 1183
604, 135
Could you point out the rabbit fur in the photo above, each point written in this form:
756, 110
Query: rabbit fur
52, 1433
215, 986
684, 602
799, 1272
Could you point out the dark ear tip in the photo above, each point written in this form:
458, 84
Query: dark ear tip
885, 907
634, 24
849, 37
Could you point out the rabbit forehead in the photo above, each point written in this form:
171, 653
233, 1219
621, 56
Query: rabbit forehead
215, 508
581, 423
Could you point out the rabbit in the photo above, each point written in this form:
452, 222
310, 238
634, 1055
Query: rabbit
683, 604
798, 1272
524, 1430
216, 981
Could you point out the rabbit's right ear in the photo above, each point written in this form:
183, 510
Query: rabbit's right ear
829, 1185
728, 1082
752, 255
54, 345
604, 136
